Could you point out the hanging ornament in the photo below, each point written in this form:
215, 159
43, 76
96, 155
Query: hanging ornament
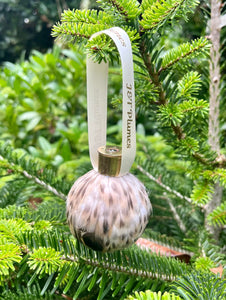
108, 208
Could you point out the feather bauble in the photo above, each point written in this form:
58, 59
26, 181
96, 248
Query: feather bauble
107, 213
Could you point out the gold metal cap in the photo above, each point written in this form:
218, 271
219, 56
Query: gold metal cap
109, 160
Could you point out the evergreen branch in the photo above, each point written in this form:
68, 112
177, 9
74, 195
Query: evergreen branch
129, 9
202, 192
45, 260
9, 229
184, 51
204, 263
194, 106
119, 6
218, 174
201, 159
89, 17
59, 259
156, 13
154, 76
43, 184
41, 260
178, 131
218, 216
131, 261
47, 211
46, 186
207, 285
175, 115
9, 255
175, 214
170, 114
189, 84
75, 30
165, 187
53, 211
33, 169
12, 211
81, 24
15, 191
188, 145
207, 248
191, 146
30, 293
144, 256
149, 295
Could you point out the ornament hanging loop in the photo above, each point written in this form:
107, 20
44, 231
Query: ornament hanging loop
97, 81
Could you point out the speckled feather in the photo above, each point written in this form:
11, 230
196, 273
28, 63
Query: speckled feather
107, 213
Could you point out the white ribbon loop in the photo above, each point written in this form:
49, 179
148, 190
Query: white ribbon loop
97, 80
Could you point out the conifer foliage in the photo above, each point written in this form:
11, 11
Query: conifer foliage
39, 258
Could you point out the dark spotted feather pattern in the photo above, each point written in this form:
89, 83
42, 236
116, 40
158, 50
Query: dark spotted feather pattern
107, 213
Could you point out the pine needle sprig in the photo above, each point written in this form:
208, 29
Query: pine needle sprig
29, 293
207, 248
15, 191
206, 284
165, 187
218, 216
79, 26
82, 24
47, 211
13, 212
32, 169
189, 85
150, 295
9, 255
170, 114
128, 9
156, 13
9, 229
62, 263
195, 107
219, 174
149, 60
64, 242
202, 192
198, 47
45, 260
91, 17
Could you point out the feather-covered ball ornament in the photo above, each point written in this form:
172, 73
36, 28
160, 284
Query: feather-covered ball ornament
108, 208
105, 211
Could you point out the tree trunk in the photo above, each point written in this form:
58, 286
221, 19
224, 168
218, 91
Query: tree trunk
214, 89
